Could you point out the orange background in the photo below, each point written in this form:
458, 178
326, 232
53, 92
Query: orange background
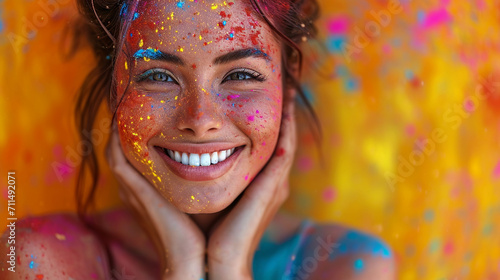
412, 77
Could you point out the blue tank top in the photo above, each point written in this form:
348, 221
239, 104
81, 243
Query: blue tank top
275, 261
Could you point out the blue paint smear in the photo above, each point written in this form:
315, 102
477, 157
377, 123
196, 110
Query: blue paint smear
136, 16
180, 4
148, 53
354, 242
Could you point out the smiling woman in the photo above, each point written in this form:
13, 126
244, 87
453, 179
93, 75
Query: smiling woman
203, 138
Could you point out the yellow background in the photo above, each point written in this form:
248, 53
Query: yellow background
407, 80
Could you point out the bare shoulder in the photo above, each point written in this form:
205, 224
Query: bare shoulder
334, 251
56, 246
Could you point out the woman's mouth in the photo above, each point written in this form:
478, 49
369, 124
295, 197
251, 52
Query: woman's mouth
205, 159
201, 164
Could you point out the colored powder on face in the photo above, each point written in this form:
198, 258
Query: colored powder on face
149, 53
250, 118
136, 16
39, 276
358, 265
124, 9
231, 97
32, 263
180, 4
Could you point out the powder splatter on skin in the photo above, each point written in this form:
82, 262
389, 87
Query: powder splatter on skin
32, 264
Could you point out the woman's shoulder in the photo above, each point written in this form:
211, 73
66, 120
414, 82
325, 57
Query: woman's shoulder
317, 250
55, 246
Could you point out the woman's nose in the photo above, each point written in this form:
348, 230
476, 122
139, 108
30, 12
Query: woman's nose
198, 114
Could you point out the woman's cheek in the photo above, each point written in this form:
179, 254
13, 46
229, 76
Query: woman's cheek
137, 123
259, 117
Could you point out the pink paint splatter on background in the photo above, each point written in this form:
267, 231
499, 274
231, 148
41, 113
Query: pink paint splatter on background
305, 164
436, 18
329, 194
496, 171
338, 25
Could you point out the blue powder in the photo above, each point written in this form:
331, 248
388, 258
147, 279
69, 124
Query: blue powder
358, 265
136, 15
180, 4
124, 9
148, 53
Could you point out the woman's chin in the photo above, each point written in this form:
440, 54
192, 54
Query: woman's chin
206, 207
209, 201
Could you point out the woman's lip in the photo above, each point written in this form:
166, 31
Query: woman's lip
200, 173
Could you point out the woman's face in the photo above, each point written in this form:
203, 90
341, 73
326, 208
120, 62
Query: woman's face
203, 77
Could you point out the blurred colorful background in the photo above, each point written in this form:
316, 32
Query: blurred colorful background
408, 93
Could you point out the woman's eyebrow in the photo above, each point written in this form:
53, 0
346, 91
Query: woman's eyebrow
155, 54
240, 54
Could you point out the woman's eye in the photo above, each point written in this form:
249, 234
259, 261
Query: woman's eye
161, 77
156, 75
243, 75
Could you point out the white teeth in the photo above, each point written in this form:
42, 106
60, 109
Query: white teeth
185, 159
177, 156
170, 153
205, 160
194, 159
222, 156
215, 158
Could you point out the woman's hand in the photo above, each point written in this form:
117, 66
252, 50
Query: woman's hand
179, 241
233, 242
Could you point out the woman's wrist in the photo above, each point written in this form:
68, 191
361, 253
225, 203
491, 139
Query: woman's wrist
194, 269
230, 271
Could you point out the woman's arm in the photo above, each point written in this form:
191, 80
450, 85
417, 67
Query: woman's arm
333, 252
53, 247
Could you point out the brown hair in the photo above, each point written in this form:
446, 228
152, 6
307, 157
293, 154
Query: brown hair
104, 21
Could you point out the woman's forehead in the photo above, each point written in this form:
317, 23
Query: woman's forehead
193, 25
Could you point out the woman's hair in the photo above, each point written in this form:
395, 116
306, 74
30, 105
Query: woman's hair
103, 25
